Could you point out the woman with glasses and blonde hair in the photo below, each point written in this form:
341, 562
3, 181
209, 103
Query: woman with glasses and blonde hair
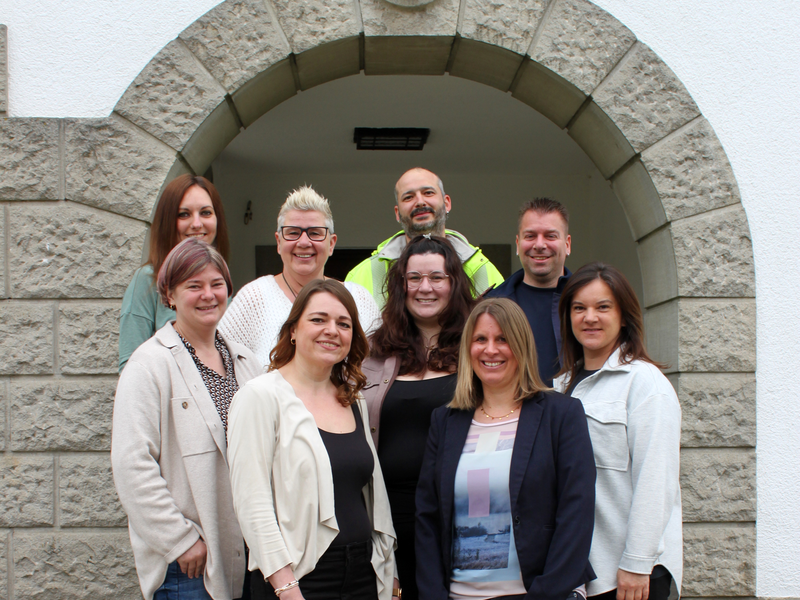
505, 500
307, 484
412, 370
634, 419
305, 241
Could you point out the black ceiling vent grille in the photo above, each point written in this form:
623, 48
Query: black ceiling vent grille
390, 138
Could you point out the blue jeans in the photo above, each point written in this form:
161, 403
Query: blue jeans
178, 586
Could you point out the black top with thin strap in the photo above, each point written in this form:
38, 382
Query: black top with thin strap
352, 464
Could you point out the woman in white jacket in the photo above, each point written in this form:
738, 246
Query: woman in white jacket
635, 423
168, 447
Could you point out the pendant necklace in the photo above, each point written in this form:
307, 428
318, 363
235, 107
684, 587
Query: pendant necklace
495, 418
288, 286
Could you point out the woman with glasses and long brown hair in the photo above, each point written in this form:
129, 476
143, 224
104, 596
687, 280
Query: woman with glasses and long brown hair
412, 370
305, 240
634, 420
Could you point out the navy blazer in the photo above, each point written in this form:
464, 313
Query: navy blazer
551, 486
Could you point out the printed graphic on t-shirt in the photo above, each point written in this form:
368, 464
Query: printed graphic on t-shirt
483, 540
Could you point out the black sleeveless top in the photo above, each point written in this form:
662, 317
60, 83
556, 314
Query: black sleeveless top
352, 465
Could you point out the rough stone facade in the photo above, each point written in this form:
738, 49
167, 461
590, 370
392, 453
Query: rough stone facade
76, 196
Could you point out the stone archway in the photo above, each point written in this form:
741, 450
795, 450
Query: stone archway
90, 185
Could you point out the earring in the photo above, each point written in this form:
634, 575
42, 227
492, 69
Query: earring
172, 307
293, 342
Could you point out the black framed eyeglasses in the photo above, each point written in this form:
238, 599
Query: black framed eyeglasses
437, 279
315, 234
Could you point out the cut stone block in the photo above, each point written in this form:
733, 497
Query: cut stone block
66, 250
639, 199
714, 254
74, 566
325, 63
582, 43
27, 484
718, 484
601, 139
510, 24
26, 338
395, 55
114, 166
484, 63
88, 338
719, 409
29, 160
61, 414
3, 292
659, 273
312, 23
236, 41
550, 94
644, 98
4, 564
436, 19
87, 497
3, 81
172, 96
264, 92
711, 335
719, 560
3, 421
691, 171
211, 138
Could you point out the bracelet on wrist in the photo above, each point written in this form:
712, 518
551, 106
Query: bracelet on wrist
288, 586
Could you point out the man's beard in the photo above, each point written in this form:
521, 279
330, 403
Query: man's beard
434, 226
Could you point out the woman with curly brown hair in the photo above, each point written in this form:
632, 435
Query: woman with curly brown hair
411, 371
307, 485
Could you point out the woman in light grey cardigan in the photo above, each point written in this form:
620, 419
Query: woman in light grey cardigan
168, 449
635, 424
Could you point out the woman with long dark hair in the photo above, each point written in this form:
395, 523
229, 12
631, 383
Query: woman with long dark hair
306, 481
411, 371
189, 207
634, 420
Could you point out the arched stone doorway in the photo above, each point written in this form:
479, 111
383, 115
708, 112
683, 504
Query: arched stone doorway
566, 59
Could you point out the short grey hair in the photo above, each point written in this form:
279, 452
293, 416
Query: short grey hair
306, 199
438, 181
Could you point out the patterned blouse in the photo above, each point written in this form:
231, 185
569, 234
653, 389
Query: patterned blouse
220, 388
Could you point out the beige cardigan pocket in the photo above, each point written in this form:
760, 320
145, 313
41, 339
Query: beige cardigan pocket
194, 436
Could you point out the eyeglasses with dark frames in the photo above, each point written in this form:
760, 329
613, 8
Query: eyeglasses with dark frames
437, 279
315, 234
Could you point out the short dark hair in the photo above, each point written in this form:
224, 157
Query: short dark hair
186, 260
346, 375
631, 337
543, 206
164, 230
399, 336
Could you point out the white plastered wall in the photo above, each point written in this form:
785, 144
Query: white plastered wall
738, 59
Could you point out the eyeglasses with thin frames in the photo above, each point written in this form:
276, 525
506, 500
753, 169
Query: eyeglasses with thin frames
437, 279
315, 234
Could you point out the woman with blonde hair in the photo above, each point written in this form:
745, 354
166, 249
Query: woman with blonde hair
505, 500
307, 484
305, 240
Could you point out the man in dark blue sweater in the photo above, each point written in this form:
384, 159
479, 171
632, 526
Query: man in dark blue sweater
543, 244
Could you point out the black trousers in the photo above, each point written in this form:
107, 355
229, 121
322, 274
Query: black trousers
660, 583
342, 573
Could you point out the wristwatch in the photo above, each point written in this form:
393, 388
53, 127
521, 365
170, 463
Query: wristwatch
397, 593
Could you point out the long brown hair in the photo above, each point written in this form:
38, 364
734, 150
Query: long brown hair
517, 331
399, 336
346, 375
164, 230
631, 340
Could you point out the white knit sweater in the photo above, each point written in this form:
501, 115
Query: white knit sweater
257, 313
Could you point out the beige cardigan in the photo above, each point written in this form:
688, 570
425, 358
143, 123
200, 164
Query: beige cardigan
168, 453
283, 485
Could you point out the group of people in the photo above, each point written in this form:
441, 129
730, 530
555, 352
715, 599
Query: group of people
423, 430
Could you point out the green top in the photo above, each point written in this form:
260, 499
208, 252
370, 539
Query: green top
142, 313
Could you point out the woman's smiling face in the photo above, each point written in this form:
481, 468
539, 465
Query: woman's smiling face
324, 332
491, 356
426, 302
596, 322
